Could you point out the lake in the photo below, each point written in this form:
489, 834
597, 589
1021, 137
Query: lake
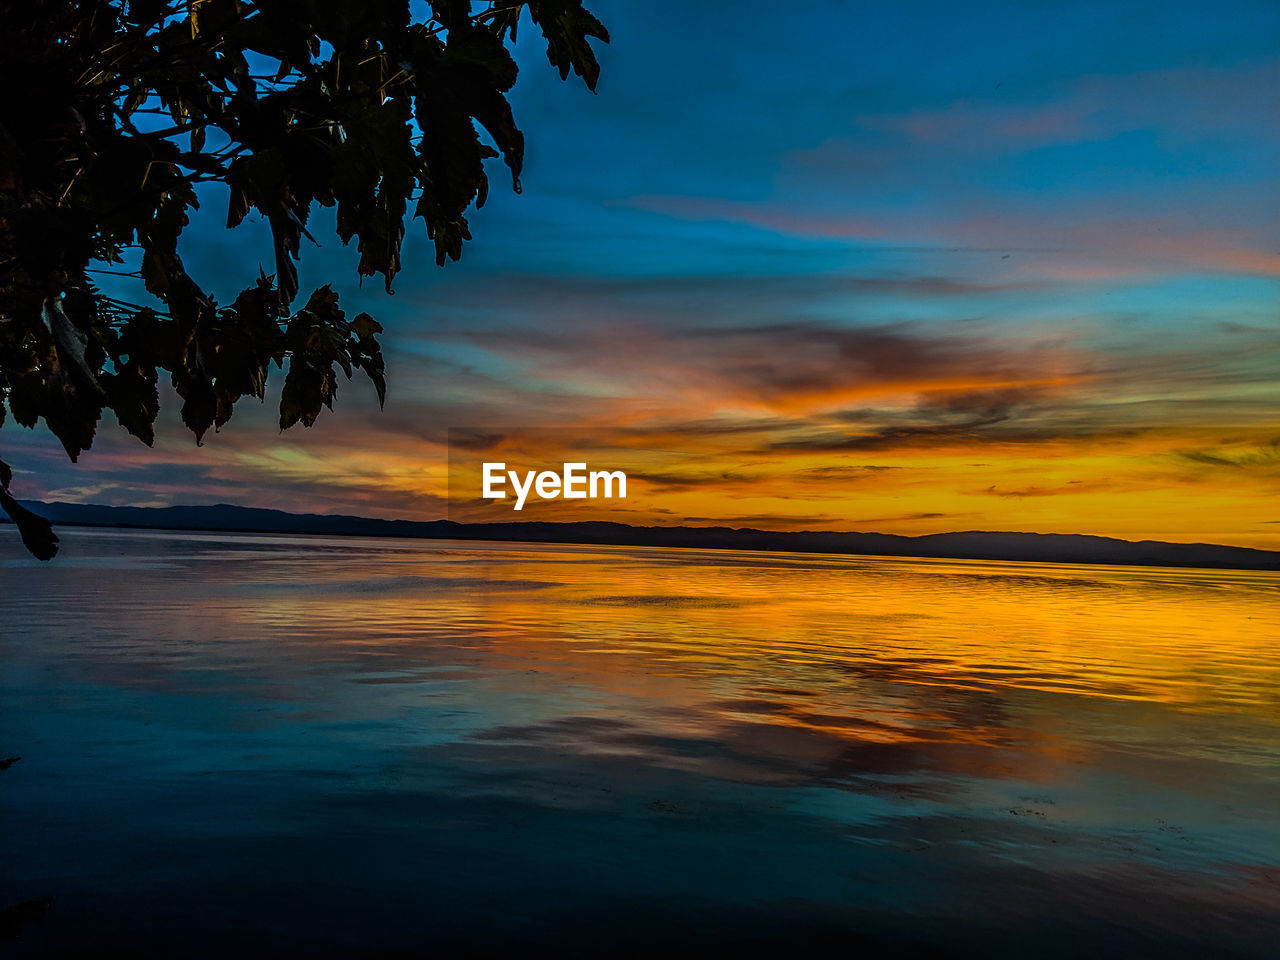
260, 744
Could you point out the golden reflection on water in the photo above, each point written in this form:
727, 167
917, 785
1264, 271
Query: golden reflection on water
1191, 639
806, 659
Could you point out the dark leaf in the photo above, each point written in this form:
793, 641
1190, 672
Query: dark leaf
133, 396
36, 532
566, 27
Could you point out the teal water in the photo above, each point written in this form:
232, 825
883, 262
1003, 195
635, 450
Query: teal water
309, 746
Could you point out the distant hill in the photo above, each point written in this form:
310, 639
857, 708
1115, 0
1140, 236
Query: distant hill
973, 545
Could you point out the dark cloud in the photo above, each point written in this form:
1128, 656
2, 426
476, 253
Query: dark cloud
1071, 486
885, 438
1265, 456
986, 403
852, 472
969, 433
468, 439
716, 427
898, 518
679, 481
979, 409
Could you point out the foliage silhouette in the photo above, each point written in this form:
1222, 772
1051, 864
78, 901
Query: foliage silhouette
113, 111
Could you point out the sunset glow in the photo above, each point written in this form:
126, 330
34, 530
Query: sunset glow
1018, 281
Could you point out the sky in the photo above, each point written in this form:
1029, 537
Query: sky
906, 268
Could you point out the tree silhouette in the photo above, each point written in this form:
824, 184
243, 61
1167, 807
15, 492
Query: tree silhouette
113, 112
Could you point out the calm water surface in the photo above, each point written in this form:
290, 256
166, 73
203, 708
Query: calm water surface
337, 746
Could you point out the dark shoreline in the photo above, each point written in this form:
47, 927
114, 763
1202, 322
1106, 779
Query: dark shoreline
969, 545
